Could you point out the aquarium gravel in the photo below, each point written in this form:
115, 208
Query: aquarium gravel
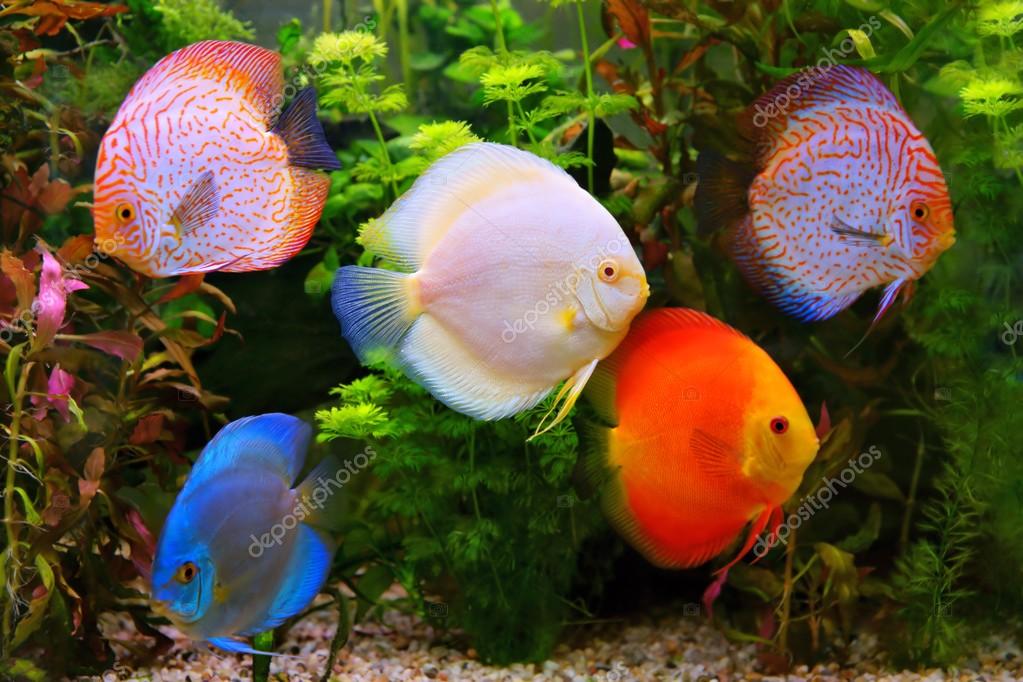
666, 645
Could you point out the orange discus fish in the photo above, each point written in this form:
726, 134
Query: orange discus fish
198, 172
708, 435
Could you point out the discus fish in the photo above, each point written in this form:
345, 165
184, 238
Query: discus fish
222, 570
512, 280
705, 434
198, 173
844, 194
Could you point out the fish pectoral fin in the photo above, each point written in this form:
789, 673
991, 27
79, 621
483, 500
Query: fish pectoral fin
865, 237
566, 397
716, 458
198, 206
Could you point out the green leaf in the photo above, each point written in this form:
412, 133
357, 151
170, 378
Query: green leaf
372, 584
867, 534
910, 53
31, 515
862, 42
11, 369
876, 484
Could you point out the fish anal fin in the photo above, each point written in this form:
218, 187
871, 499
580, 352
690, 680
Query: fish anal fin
198, 206
444, 365
303, 134
239, 647
722, 191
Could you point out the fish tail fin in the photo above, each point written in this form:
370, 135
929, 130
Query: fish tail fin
320, 493
721, 191
375, 307
312, 553
591, 472
303, 134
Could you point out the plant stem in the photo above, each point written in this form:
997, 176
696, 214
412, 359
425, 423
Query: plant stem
502, 48
344, 629
13, 563
588, 70
385, 156
264, 641
328, 10
403, 46
911, 497
786, 597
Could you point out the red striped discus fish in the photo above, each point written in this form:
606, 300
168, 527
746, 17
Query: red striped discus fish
198, 173
844, 194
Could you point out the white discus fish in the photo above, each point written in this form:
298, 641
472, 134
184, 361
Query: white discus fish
513, 279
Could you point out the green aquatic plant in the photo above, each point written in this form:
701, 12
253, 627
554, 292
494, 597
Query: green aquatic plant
348, 80
188, 21
487, 527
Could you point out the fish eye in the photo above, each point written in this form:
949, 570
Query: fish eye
125, 212
779, 425
608, 270
920, 210
186, 573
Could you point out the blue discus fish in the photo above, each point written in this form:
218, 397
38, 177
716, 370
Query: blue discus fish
237, 554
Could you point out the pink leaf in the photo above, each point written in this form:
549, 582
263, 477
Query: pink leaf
626, 44
58, 390
51, 302
123, 344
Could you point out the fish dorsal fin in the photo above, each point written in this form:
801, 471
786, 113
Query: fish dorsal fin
248, 71
410, 229
602, 387
274, 442
198, 206
812, 89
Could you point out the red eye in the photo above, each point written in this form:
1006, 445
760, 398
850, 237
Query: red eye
779, 425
